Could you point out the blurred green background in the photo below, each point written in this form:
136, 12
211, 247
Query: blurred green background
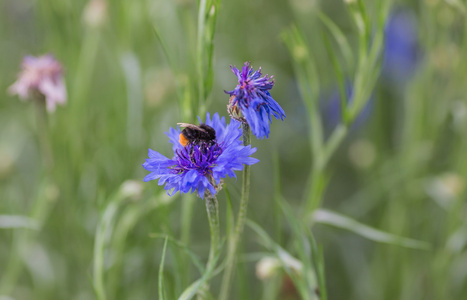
401, 168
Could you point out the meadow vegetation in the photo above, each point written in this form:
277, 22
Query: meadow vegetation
359, 192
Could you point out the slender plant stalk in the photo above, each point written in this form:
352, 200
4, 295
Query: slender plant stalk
80, 88
234, 240
320, 163
185, 223
13, 268
103, 234
22, 241
103, 230
22, 238
200, 47
43, 132
212, 208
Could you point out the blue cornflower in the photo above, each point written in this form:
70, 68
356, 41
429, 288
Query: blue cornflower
201, 165
401, 48
332, 110
250, 102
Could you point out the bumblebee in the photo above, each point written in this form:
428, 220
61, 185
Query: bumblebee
197, 135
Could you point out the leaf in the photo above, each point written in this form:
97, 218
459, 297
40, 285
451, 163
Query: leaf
328, 217
191, 290
287, 260
318, 261
457, 5
195, 287
230, 213
306, 247
277, 197
194, 258
103, 233
457, 241
161, 272
308, 83
340, 38
166, 50
343, 98
16, 221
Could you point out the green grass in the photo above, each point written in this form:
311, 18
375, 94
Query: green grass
369, 208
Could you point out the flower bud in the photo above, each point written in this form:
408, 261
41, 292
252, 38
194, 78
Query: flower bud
95, 13
267, 267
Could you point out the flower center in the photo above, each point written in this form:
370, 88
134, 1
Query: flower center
201, 157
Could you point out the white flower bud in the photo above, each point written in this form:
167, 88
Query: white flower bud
267, 267
95, 13
131, 189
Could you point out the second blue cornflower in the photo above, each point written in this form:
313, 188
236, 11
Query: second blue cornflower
250, 102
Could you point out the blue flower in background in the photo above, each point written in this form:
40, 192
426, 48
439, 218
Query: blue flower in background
331, 109
251, 101
200, 166
401, 49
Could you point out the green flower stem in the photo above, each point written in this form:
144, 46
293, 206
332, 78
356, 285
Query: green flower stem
317, 176
185, 223
13, 268
212, 208
200, 47
234, 240
24, 238
43, 132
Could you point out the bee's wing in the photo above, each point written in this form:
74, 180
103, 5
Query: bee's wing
191, 126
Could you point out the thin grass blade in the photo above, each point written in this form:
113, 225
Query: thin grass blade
161, 272
14, 221
194, 258
331, 218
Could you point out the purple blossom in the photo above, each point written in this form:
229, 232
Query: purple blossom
251, 102
401, 49
41, 76
201, 166
332, 110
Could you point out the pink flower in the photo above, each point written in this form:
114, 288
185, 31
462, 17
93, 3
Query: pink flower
44, 76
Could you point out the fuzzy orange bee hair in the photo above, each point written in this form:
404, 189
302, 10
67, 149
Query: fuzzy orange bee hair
183, 140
